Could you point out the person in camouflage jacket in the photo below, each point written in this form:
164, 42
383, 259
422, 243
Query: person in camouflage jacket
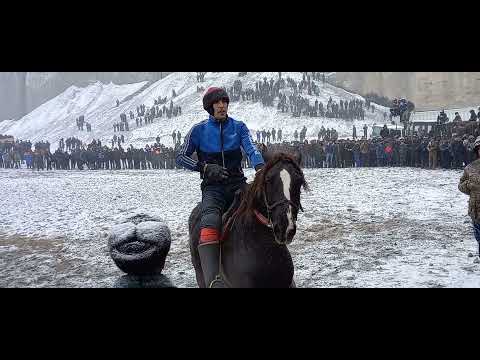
470, 185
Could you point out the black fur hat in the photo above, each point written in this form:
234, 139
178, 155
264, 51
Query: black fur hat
213, 95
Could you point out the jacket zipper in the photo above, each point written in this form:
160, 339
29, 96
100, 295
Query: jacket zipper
221, 144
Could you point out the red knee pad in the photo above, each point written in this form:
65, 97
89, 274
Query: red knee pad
209, 235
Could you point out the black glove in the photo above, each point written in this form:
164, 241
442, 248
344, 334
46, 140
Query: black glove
259, 167
214, 172
258, 170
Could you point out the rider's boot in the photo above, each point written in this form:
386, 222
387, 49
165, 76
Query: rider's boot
210, 259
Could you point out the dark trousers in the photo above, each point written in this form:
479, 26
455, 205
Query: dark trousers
216, 199
357, 158
476, 230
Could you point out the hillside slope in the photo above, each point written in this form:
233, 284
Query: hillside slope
56, 118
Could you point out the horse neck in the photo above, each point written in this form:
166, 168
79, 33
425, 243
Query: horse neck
252, 258
255, 233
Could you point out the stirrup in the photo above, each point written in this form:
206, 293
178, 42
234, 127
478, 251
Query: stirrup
218, 279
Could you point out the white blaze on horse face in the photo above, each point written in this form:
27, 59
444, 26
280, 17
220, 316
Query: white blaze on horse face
286, 179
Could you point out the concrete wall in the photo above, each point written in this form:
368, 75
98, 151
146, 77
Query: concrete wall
21, 92
428, 90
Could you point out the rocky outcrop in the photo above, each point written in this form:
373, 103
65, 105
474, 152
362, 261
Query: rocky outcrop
140, 244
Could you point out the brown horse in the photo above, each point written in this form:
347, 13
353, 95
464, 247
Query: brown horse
259, 225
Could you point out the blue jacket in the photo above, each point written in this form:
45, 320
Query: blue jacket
380, 149
28, 159
330, 149
210, 139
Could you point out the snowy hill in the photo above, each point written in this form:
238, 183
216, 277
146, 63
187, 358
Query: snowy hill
56, 118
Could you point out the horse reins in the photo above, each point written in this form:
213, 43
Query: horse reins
267, 221
262, 219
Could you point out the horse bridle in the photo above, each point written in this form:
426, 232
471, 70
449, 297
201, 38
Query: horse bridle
269, 224
281, 202
270, 208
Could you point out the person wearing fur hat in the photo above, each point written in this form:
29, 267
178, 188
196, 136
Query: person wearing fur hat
473, 116
458, 118
218, 142
470, 185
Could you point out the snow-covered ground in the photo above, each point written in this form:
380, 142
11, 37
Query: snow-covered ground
396, 227
56, 118
367, 227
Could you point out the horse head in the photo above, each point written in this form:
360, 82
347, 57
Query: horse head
275, 195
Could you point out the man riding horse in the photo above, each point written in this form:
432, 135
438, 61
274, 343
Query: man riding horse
218, 142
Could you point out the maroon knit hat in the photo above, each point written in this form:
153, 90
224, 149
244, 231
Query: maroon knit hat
213, 95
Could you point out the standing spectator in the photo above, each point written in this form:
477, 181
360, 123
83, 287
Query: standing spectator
432, 148
473, 116
470, 185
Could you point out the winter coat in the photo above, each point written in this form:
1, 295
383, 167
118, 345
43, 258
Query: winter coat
457, 148
380, 151
470, 185
29, 159
445, 147
219, 143
330, 149
364, 148
432, 146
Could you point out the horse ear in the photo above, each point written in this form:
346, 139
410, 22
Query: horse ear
297, 156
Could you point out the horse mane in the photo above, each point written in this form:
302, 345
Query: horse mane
253, 193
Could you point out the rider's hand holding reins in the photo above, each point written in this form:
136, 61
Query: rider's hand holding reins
258, 169
215, 172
